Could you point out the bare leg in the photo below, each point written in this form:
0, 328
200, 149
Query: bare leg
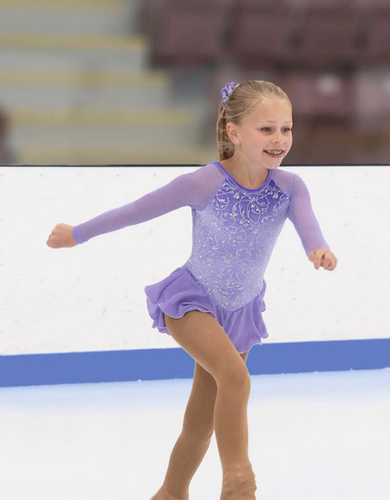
194, 440
204, 339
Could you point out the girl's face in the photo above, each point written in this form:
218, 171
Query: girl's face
265, 135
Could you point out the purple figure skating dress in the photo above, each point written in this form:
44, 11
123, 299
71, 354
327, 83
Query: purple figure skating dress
234, 232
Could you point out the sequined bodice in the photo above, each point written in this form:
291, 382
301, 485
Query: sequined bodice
233, 238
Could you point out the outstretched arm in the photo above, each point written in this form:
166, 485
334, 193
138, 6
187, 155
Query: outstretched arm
193, 189
302, 216
178, 193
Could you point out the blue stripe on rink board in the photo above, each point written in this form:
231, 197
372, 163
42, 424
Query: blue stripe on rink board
156, 364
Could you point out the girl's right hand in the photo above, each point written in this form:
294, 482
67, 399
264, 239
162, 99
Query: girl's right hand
61, 236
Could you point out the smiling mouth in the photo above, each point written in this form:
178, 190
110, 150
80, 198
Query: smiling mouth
277, 153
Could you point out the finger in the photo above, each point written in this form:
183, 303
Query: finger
318, 260
51, 242
325, 259
329, 264
315, 259
54, 238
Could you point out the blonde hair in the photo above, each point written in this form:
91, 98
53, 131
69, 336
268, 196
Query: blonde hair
242, 101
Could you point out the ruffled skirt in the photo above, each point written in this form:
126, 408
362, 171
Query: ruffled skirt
180, 293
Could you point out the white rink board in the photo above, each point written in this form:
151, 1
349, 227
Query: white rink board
91, 298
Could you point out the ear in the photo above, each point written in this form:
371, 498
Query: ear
232, 132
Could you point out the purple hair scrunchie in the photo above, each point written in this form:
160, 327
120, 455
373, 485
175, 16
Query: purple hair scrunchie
227, 91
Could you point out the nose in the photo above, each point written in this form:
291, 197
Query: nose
277, 138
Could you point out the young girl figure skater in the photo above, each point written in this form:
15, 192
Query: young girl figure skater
212, 304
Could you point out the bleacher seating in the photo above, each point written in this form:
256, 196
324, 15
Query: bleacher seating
189, 33
372, 5
320, 98
376, 49
328, 39
372, 101
260, 39
314, 34
80, 82
316, 5
77, 87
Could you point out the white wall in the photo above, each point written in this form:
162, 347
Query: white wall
91, 297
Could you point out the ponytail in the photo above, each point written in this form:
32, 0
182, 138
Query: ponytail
225, 145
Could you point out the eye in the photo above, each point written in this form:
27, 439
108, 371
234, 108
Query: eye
287, 129
266, 129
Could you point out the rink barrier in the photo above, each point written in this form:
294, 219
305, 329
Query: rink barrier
175, 363
159, 364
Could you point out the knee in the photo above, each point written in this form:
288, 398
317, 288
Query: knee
236, 378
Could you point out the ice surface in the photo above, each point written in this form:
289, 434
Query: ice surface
318, 436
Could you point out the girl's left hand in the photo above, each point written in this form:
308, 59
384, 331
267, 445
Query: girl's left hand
323, 257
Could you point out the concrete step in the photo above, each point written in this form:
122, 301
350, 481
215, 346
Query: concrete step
76, 117
61, 4
100, 129
94, 78
69, 17
103, 136
84, 97
33, 155
71, 53
83, 89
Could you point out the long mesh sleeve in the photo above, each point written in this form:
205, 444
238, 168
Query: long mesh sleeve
302, 216
193, 189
